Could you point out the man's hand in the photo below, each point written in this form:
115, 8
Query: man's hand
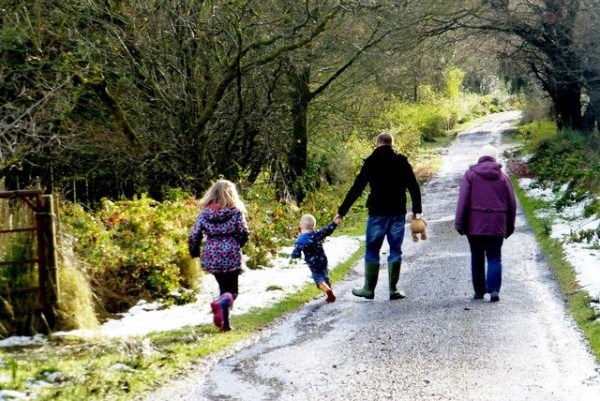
337, 219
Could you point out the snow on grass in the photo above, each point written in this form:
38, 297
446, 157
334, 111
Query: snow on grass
566, 225
258, 288
21, 341
12, 395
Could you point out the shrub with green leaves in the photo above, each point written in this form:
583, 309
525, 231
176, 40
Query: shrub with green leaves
537, 132
132, 249
567, 159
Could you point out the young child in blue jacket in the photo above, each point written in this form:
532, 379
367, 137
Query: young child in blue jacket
310, 242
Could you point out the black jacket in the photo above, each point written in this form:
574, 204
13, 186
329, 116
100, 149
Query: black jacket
389, 175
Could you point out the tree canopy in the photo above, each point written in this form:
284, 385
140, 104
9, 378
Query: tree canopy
117, 98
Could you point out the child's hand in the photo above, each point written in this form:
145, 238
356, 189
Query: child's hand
337, 219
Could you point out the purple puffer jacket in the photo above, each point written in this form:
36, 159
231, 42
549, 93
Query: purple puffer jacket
224, 232
486, 201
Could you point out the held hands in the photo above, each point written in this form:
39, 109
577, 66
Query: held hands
337, 219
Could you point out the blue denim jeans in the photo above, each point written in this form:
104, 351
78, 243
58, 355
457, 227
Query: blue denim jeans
379, 227
482, 248
320, 275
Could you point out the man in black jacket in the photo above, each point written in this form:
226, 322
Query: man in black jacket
389, 175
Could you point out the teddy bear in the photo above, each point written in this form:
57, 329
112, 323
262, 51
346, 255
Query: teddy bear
417, 226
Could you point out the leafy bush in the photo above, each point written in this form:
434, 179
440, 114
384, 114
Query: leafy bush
132, 249
567, 159
412, 122
454, 78
537, 132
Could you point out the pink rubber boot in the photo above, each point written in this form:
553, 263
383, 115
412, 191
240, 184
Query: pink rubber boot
225, 302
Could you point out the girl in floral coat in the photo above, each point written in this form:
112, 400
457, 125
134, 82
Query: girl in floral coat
222, 225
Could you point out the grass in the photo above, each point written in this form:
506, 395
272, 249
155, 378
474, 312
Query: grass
579, 302
100, 369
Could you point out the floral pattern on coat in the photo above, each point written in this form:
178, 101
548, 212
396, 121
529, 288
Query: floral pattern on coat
225, 233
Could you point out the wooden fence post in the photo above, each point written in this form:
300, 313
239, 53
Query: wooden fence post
48, 273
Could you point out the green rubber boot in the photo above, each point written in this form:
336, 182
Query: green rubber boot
394, 276
371, 276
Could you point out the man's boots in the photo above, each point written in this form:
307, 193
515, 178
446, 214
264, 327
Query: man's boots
371, 276
394, 276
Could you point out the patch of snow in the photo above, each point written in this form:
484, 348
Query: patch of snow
533, 190
450, 217
22, 341
565, 223
121, 367
258, 288
6, 395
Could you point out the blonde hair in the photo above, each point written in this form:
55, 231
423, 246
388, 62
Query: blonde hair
308, 222
224, 194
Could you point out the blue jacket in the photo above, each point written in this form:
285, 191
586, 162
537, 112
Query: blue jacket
311, 243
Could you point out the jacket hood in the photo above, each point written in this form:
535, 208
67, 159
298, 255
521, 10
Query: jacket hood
304, 238
487, 168
216, 215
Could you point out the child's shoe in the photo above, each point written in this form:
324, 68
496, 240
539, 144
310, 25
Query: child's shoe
323, 286
225, 302
330, 296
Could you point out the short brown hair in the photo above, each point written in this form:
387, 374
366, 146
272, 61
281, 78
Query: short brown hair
385, 139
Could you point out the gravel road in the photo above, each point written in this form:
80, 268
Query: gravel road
437, 344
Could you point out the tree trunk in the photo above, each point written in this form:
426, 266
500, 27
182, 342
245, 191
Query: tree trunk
592, 111
298, 155
568, 106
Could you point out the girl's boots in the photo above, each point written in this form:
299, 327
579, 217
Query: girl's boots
323, 286
220, 309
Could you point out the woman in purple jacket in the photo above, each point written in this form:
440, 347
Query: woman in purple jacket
486, 212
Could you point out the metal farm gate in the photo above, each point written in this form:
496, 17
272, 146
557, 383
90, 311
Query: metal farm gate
44, 295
